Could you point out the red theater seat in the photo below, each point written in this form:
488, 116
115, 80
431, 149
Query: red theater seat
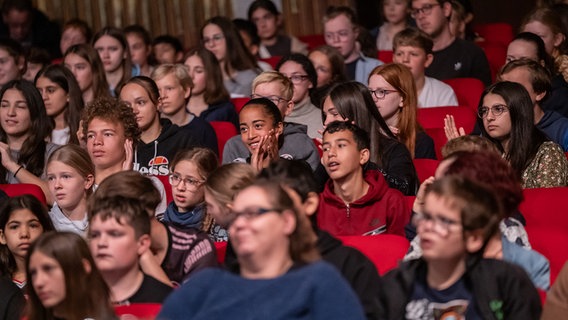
18, 189
141, 311
432, 120
496, 54
498, 32
221, 248
385, 56
239, 103
468, 91
547, 223
313, 40
165, 180
384, 250
425, 168
272, 61
224, 130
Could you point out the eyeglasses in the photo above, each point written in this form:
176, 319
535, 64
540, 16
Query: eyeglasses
339, 35
176, 179
496, 110
275, 99
216, 38
381, 93
298, 78
250, 213
440, 225
425, 10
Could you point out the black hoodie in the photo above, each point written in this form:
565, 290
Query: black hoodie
154, 158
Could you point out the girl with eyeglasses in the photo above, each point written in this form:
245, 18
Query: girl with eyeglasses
505, 116
280, 275
188, 172
301, 72
238, 65
394, 92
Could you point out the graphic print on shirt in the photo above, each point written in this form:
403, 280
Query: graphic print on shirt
158, 166
423, 309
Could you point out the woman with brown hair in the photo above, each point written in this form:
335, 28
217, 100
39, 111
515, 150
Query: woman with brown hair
275, 247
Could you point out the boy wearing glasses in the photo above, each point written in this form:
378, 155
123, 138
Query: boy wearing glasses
119, 235
452, 280
413, 48
295, 144
354, 201
453, 57
341, 31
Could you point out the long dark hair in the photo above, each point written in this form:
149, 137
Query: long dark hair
525, 137
353, 101
118, 35
215, 91
237, 57
32, 153
7, 262
65, 79
86, 293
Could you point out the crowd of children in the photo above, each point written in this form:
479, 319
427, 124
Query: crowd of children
144, 206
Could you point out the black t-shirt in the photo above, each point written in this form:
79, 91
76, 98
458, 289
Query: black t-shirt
281, 48
150, 291
351, 69
454, 302
461, 59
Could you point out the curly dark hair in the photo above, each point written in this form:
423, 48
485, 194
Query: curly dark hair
115, 111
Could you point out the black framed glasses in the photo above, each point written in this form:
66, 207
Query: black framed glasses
381, 93
275, 99
496, 110
425, 10
250, 213
176, 179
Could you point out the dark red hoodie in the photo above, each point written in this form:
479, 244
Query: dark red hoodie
381, 210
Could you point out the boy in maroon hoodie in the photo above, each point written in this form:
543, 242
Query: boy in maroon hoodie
355, 202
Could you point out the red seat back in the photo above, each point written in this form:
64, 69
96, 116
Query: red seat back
547, 224
425, 168
468, 91
496, 54
313, 40
141, 311
272, 61
432, 120
385, 56
498, 32
384, 250
221, 248
239, 103
165, 180
224, 130
18, 189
